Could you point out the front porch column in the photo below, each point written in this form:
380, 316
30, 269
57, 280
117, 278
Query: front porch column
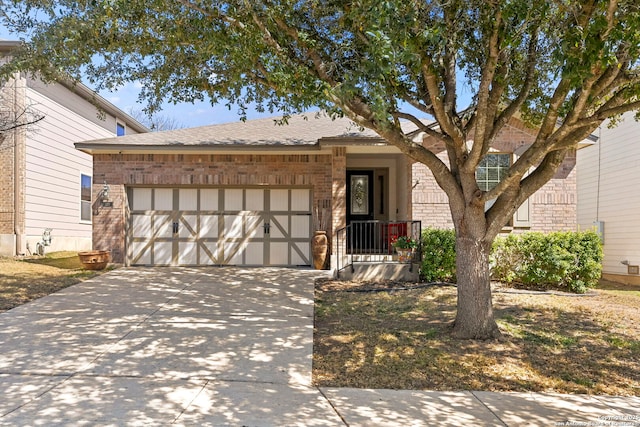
409, 182
338, 193
109, 221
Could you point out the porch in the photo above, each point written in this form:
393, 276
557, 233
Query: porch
365, 251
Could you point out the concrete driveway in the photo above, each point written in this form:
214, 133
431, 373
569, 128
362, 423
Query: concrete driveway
221, 347
200, 346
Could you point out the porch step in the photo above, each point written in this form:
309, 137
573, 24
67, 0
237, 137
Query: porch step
380, 271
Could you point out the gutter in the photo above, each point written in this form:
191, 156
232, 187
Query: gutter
96, 99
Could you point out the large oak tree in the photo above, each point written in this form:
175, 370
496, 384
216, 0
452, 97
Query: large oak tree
562, 65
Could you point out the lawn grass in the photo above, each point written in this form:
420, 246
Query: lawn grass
65, 260
23, 280
551, 342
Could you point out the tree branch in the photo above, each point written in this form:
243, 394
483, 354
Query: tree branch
584, 127
422, 127
418, 105
611, 18
616, 75
266, 34
315, 57
15, 124
360, 113
449, 65
411, 118
516, 104
455, 141
508, 202
483, 118
217, 15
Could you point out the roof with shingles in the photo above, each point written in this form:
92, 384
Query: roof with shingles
301, 130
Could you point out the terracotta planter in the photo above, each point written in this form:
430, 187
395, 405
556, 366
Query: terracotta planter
405, 255
94, 260
319, 246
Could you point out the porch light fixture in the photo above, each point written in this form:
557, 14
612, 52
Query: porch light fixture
104, 196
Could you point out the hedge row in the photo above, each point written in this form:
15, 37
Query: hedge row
566, 260
560, 260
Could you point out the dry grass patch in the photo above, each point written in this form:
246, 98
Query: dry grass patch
23, 280
551, 342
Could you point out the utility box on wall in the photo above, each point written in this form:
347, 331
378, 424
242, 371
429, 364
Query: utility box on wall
599, 225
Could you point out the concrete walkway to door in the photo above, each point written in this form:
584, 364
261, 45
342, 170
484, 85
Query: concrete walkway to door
218, 347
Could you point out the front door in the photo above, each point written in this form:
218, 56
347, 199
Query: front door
360, 208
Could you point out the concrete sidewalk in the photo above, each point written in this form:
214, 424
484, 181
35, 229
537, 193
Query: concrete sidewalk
221, 347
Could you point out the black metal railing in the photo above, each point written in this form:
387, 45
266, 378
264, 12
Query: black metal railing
372, 241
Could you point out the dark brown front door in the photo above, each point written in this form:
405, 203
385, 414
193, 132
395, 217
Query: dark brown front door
359, 195
360, 208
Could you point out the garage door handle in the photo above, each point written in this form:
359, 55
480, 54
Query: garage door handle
175, 227
267, 227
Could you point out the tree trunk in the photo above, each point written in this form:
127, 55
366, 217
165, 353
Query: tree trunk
474, 319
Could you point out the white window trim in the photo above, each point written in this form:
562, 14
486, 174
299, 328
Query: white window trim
81, 220
511, 158
523, 210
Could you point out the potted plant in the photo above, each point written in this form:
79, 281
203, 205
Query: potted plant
405, 246
319, 241
94, 260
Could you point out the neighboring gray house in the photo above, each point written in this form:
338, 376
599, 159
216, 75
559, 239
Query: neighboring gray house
44, 181
608, 180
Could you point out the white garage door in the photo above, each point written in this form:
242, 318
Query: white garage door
219, 226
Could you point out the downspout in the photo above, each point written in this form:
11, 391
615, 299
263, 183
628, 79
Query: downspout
17, 178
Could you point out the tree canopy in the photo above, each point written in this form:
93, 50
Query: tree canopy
157, 122
562, 65
565, 65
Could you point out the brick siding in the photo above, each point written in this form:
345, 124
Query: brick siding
12, 148
338, 190
6, 183
553, 207
121, 170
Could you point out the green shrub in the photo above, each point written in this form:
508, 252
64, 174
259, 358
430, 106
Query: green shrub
564, 260
561, 260
438, 255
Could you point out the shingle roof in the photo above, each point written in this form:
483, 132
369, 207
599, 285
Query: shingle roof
301, 130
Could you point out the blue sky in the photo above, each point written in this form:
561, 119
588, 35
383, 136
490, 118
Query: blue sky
187, 114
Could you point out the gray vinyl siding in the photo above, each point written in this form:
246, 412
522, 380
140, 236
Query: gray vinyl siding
79, 106
608, 182
54, 166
